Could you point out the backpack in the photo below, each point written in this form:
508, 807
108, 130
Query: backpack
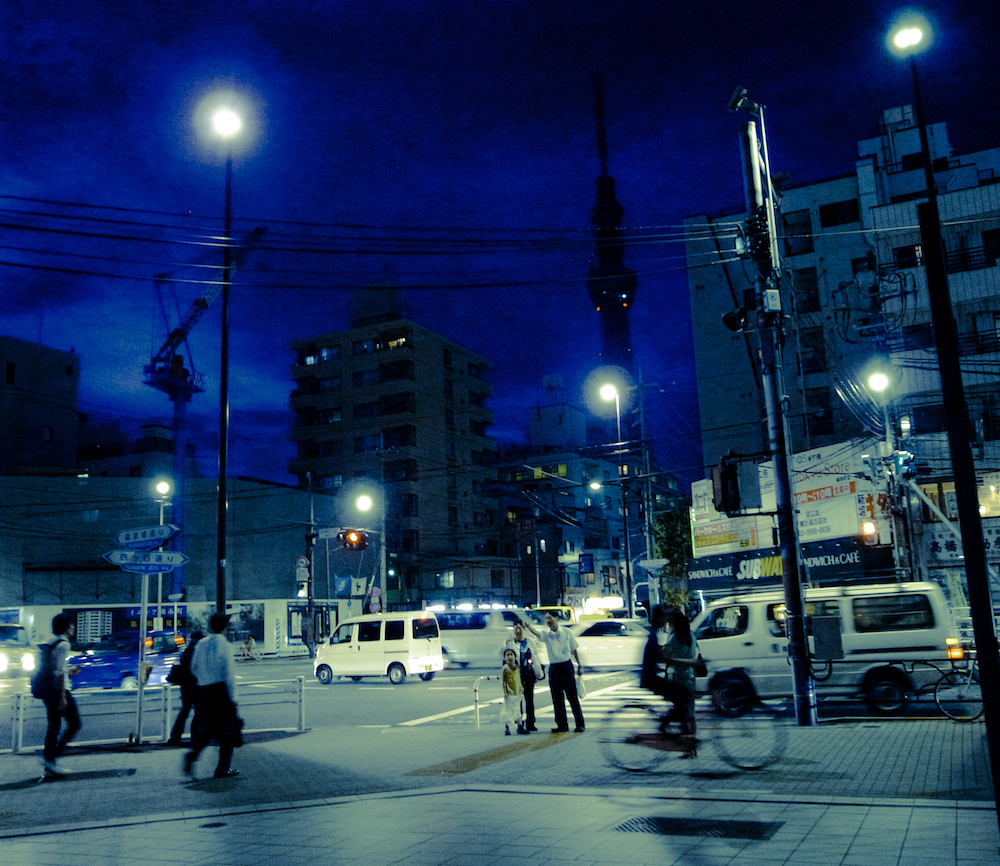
44, 681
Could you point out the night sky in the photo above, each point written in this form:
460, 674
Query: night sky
448, 147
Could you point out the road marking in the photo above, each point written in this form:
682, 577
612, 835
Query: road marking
542, 711
503, 753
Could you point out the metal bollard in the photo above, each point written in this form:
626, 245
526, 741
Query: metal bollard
475, 689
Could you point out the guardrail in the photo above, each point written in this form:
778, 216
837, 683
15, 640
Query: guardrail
160, 704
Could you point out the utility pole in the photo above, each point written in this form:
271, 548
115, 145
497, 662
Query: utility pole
765, 316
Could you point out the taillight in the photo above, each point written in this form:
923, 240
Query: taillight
955, 650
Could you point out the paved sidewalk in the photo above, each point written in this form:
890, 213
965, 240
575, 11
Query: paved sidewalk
863, 793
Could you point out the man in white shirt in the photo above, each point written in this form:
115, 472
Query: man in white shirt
216, 717
561, 645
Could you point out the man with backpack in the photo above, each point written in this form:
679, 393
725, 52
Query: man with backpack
51, 683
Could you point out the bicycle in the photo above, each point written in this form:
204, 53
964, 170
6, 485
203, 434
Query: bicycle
959, 694
247, 654
639, 735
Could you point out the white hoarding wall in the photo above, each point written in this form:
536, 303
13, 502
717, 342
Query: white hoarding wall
833, 496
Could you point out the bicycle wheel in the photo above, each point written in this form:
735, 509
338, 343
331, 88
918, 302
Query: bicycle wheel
959, 696
629, 737
751, 739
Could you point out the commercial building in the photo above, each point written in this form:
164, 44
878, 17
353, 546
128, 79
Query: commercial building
38, 407
855, 295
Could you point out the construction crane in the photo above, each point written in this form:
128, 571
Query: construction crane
166, 372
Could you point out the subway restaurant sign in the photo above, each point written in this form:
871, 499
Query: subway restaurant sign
835, 561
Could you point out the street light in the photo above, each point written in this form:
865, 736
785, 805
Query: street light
226, 124
906, 39
365, 503
610, 392
878, 382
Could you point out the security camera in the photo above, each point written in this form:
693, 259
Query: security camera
738, 98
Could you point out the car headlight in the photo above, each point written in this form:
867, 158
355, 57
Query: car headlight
28, 662
3, 662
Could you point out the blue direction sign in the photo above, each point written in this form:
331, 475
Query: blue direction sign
147, 537
146, 561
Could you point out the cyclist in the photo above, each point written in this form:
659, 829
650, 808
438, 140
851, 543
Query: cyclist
679, 650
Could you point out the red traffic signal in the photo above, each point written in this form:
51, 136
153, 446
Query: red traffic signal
353, 539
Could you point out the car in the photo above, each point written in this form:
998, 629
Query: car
113, 663
610, 643
17, 656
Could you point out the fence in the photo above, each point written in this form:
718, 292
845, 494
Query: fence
113, 711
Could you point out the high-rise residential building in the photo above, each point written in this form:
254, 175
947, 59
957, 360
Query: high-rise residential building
38, 409
854, 293
390, 406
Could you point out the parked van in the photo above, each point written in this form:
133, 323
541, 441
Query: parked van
870, 640
474, 637
391, 645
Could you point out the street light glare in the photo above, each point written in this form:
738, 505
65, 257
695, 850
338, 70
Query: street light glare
226, 122
608, 392
364, 503
878, 381
163, 487
908, 37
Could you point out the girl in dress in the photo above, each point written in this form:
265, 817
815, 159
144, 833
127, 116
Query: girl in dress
513, 694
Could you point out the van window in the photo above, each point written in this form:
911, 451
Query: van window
776, 616
827, 607
892, 613
450, 621
369, 631
394, 630
724, 622
342, 634
425, 628
510, 616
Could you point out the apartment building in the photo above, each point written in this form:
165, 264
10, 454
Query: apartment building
391, 407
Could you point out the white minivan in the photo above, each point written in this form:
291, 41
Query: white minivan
474, 637
874, 640
391, 645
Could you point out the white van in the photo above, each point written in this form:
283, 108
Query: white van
474, 637
872, 640
390, 645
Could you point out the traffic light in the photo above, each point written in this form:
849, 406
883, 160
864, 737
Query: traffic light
353, 539
726, 487
904, 465
302, 588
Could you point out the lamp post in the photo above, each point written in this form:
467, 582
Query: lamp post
365, 504
610, 392
906, 40
226, 124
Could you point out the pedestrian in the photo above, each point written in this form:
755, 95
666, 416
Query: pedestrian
180, 675
59, 701
216, 718
562, 646
529, 668
513, 691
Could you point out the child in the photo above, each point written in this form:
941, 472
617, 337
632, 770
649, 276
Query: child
512, 693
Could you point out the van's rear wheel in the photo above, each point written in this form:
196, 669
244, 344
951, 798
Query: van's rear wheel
324, 675
397, 674
886, 694
427, 677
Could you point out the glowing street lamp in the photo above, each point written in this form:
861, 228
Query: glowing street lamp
610, 392
226, 124
365, 503
906, 42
